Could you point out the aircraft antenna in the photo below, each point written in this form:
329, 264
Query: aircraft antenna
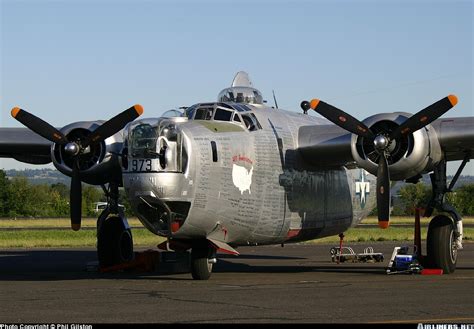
274, 98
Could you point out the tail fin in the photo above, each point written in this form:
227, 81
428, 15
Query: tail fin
241, 79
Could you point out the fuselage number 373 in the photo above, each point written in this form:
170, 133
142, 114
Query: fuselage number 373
141, 165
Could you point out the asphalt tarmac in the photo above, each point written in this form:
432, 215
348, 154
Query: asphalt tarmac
268, 284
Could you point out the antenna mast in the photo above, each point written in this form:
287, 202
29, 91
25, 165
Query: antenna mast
274, 98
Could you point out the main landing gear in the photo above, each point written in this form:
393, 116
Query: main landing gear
114, 237
445, 230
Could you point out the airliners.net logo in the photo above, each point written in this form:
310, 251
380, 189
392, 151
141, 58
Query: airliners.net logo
445, 326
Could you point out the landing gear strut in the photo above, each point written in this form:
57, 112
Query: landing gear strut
114, 238
203, 256
444, 232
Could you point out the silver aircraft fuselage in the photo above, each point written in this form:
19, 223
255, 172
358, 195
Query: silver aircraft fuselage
232, 173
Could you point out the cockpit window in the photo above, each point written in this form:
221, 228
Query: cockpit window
235, 113
222, 115
241, 107
204, 113
251, 122
255, 120
189, 112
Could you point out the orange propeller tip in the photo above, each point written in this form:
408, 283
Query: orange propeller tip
15, 111
139, 109
453, 99
75, 227
384, 224
314, 103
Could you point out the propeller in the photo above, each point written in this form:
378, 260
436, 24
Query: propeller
383, 140
76, 148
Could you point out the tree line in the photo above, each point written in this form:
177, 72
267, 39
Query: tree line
20, 198
414, 196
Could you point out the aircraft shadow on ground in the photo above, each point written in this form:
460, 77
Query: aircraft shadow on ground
234, 267
60, 265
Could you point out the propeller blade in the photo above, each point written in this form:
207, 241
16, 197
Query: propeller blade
341, 118
383, 192
113, 125
39, 126
75, 198
425, 116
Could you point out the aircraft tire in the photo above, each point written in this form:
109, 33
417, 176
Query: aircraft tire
114, 243
201, 268
441, 249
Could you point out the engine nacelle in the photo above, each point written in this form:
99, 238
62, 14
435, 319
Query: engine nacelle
409, 156
100, 163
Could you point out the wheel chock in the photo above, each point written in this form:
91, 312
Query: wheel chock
145, 261
432, 271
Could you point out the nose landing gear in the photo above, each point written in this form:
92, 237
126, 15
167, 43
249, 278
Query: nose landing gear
203, 256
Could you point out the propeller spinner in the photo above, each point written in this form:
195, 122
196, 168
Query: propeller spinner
383, 140
76, 148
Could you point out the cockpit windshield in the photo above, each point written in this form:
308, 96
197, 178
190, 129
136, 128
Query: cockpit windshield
239, 114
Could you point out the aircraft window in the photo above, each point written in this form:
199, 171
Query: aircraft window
189, 112
247, 95
209, 114
241, 108
204, 114
222, 115
173, 114
251, 122
227, 106
143, 141
256, 121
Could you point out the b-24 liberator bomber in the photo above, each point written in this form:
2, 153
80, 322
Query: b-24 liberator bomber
218, 175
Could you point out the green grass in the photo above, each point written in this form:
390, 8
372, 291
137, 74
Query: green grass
54, 222
65, 238
411, 220
372, 234
34, 238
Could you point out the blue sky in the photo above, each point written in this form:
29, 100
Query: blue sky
83, 60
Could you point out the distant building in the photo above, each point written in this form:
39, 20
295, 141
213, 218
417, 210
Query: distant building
100, 206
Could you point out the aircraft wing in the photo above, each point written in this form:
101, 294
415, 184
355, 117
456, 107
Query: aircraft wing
325, 145
456, 137
24, 145
329, 145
